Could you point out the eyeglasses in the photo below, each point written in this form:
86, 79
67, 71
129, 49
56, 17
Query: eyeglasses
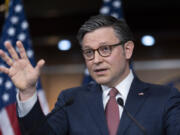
104, 51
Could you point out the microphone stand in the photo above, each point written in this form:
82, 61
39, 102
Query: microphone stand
121, 103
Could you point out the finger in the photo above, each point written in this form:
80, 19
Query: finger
4, 70
22, 51
6, 58
11, 50
39, 65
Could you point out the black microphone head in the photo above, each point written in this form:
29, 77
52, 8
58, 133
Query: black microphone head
120, 102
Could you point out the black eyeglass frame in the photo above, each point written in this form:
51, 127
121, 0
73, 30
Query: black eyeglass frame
98, 50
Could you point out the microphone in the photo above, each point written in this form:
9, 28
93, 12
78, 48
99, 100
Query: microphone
67, 103
121, 103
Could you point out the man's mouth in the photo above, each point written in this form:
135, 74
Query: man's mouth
100, 71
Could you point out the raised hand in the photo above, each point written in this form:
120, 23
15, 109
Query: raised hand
21, 72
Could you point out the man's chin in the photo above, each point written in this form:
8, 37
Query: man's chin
102, 81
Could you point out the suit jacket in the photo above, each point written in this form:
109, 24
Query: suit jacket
155, 107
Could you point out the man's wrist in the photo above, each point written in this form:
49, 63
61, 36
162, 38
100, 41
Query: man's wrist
26, 94
24, 107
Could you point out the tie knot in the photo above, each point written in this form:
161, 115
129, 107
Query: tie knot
113, 92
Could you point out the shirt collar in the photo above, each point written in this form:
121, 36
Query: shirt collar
123, 87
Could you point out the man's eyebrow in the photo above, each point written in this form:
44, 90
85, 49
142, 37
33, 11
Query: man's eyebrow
100, 44
86, 47
103, 43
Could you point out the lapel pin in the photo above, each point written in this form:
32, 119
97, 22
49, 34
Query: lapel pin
141, 94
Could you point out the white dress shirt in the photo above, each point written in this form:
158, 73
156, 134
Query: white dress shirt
24, 107
123, 87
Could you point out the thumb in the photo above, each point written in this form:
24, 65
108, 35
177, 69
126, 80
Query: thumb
39, 65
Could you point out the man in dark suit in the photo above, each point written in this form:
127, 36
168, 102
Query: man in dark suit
107, 46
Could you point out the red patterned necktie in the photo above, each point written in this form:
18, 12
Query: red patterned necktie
112, 112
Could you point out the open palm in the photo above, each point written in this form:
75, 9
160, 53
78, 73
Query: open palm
21, 72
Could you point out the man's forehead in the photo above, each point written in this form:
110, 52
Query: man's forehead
100, 36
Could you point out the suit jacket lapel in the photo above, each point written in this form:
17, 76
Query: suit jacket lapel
96, 109
134, 102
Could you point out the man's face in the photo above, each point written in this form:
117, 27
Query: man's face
109, 70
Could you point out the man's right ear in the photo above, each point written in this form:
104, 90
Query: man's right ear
128, 48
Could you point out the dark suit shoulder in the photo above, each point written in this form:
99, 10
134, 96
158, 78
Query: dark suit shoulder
154, 89
82, 88
75, 93
162, 90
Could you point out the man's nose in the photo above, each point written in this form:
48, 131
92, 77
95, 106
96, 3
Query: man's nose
97, 57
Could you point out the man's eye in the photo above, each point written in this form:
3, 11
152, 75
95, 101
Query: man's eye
105, 48
88, 51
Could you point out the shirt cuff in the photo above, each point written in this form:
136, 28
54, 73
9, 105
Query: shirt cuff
24, 107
